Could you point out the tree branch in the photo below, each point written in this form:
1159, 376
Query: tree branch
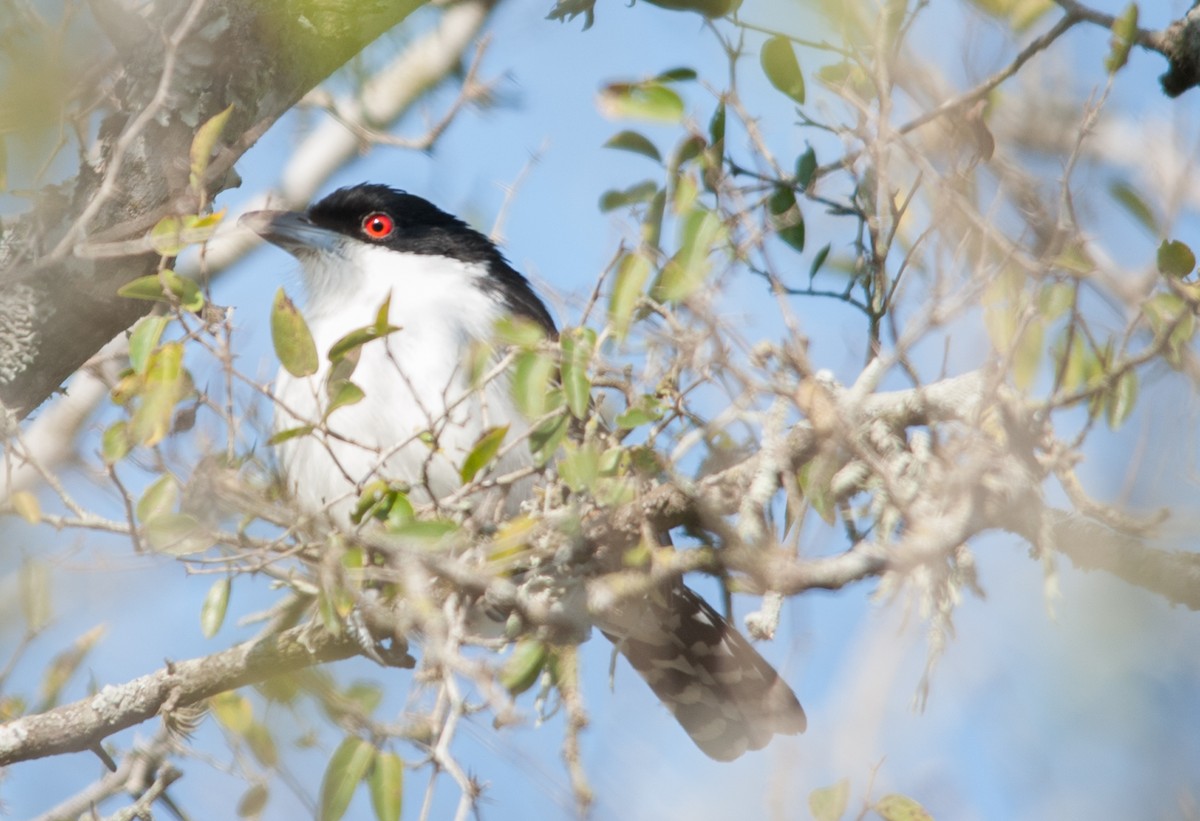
57, 310
79, 726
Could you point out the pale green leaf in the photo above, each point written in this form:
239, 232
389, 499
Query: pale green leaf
212, 611
782, 68
290, 433
647, 100
203, 143
531, 380
523, 667
1175, 259
386, 783
162, 496
786, 217
292, 339
26, 505
642, 192
114, 443
829, 803
177, 534
35, 594
483, 452
635, 142
1124, 33
253, 801
164, 386
577, 346
1121, 400
144, 338
233, 710
347, 767
342, 393
895, 807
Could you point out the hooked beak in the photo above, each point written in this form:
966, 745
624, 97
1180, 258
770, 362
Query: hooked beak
291, 231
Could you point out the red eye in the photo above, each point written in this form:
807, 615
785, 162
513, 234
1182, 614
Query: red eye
378, 225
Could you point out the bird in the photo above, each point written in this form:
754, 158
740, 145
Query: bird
445, 287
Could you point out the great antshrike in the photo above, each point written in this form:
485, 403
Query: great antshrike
448, 287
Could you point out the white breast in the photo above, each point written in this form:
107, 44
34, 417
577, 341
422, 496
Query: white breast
416, 382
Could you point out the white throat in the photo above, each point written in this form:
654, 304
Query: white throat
415, 381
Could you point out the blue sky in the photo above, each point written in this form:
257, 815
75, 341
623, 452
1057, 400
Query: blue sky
1086, 713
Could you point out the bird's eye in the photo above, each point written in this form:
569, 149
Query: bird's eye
377, 225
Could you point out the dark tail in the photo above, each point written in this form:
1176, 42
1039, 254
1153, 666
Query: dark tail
726, 696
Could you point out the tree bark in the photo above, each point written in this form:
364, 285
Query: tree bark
58, 306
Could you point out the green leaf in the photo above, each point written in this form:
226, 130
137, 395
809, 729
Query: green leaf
212, 612
1135, 204
676, 75
26, 505
580, 468
1122, 399
1124, 30
701, 230
293, 341
262, 744
426, 530
149, 288
894, 807
185, 290
144, 338
1175, 259
290, 433
782, 68
351, 342
3, 165
814, 479
114, 443
253, 801
644, 191
577, 346
365, 695
483, 452
645, 411
1027, 354
161, 497
156, 287
166, 237
819, 260
531, 380
829, 803
35, 594
806, 166
545, 438
177, 534
635, 142
786, 217
386, 783
716, 126
523, 667
343, 393
1055, 299
648, 100
400, 512
519, 332
347, 767
165, 384
652, 224
233, 710
845, 78
203, 143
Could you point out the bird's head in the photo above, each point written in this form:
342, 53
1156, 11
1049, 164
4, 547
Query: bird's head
365, 232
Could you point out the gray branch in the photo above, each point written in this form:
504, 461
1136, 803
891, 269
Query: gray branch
57, 307
79, 726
